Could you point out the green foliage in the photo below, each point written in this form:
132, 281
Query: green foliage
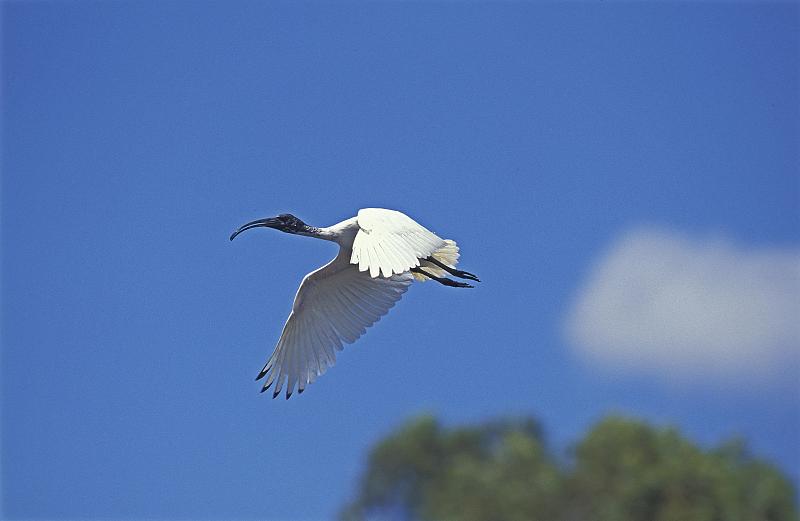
628, 470
623, 470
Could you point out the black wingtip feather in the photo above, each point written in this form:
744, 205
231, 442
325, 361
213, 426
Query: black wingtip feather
263, 372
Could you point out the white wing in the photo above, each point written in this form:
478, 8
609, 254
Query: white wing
390, 242
334, 305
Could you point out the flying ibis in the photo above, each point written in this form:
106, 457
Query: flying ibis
381, 252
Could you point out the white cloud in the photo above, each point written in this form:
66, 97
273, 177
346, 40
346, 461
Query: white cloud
667, 305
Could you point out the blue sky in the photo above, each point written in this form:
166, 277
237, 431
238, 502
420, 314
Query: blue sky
137, 136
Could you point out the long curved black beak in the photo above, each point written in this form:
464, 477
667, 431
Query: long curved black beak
269, 222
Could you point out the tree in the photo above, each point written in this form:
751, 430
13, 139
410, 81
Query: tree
623, 470
628, 470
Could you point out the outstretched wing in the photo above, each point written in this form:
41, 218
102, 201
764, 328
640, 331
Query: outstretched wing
333, 306
390, 242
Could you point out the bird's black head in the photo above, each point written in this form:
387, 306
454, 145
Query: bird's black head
285, 222
289, 223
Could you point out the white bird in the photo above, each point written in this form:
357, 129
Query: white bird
381, 252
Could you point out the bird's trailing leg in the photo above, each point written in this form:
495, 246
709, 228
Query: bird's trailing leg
452, 271
442, 280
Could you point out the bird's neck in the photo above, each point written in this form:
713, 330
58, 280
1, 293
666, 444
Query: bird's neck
320, 233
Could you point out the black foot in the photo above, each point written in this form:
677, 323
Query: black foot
453, 283
442, 280
452, 271
465, 275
